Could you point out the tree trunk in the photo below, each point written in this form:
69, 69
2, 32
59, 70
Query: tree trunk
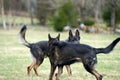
97, 10
113, 18
43, 21
3, 18
31, 15
82, 10
30, 10
9, 16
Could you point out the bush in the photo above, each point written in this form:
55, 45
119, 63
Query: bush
43, 9
89, 22
107, 15
59, 23
66, 16
117, 16
70, 13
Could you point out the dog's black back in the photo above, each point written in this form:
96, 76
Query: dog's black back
39, 49
75, 51
71, 52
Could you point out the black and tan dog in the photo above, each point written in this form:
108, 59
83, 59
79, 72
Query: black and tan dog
64, 53
40, 49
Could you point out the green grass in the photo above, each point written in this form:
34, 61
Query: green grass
18, 19
14, 57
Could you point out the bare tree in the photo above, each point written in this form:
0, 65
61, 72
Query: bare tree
30, 10
97, 9
2, 12
81, 7
44, 8
112, 6
86, 8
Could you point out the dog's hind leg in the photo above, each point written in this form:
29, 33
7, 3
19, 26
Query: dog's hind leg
29, 68
68, 69
38, 63
92, 70
36, 69
97, 75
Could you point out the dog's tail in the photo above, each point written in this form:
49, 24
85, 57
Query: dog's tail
22, 36
109, 48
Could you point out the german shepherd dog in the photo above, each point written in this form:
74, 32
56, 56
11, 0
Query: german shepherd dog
39, 50
64, 53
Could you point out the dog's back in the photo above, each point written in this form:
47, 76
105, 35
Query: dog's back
71, 51
39, 49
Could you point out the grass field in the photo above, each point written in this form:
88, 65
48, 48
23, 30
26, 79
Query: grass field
14, 57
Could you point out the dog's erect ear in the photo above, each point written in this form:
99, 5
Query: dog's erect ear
70, 33
58, 37
77, 33
49, 37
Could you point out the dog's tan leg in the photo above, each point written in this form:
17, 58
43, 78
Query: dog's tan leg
53, 68
97, 75
36, 69
38, 63
68, 69
29, 68
59, 73
93, 71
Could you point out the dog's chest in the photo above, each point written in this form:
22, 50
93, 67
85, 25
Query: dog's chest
57, 53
